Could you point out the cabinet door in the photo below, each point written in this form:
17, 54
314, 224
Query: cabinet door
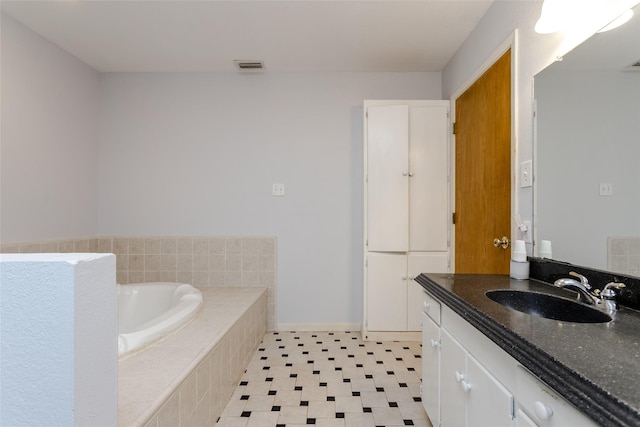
431, 369
488, 402
523, 420
428, 171
387, 178
386, 292
452, 370
421, 263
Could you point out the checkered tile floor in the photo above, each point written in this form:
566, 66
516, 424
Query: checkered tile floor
328, 379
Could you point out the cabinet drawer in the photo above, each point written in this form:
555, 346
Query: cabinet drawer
544, 405
431, 307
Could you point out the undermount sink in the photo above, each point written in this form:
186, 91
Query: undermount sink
548, 306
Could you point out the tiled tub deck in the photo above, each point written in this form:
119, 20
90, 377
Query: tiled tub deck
187, 378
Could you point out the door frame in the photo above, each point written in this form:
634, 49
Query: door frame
511, 42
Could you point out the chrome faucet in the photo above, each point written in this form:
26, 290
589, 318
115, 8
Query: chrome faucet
582, 287
605, 299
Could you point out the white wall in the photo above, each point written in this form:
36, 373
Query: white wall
59, 358
197, 154
49, 140
588, 127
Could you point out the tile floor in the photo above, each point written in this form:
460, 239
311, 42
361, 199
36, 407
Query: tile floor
328, 379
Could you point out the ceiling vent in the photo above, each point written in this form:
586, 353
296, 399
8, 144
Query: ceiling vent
243, 65
634, 66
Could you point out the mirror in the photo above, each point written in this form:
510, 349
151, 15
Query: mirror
587, 153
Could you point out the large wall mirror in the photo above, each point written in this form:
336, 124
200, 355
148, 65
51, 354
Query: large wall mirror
587, 152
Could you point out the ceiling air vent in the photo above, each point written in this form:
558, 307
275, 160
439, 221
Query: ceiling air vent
634, 67
243, 65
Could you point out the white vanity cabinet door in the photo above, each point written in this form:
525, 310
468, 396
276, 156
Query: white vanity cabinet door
388, 178
523, 419
488, 402
453, 368
386, 292
545, 407
431, 369
419, 262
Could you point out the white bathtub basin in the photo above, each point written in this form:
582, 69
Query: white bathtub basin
150, 311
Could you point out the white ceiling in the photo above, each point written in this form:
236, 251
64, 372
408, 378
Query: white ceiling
304, 35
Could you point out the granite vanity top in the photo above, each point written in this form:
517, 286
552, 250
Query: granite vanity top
595, 366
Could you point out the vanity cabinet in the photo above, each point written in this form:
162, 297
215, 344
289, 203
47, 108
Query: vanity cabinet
406, 227
467, 380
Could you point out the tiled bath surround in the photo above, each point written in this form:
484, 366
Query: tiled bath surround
207, 358
202, 261
623, 255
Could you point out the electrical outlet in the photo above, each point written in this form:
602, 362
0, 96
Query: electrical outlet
277, 190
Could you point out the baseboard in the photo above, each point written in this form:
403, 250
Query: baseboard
391, 336
319, 327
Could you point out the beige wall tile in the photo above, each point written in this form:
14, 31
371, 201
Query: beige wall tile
152, 262
168, 262
93, 245
168, 245
49, 247
136, 246
122, 277
168, 276
136, 277
201, 261
152, 245
10, 248
249, 246
105, 245
234, 263
184, 277
200, 278
233, 278
267, 246
217, 262
250, 278
136, 262
120, 245
188, 401
217, 278
217, 245
184, 245
81, 245
151, 276
201, 245
184, 262
29, 248
169, 415
66, 246
233, 245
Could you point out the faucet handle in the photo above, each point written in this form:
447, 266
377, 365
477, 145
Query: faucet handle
583, 279
608, 291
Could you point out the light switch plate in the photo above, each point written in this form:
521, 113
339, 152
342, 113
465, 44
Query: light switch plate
606, 189
526, 174
277, 190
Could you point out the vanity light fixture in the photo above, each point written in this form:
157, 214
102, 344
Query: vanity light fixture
580, 15
620, 20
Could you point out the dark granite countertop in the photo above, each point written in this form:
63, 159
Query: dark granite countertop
595, 366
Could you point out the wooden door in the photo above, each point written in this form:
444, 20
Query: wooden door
483, 172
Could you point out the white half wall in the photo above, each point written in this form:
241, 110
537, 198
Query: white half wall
197, 154
49, 162
59, 326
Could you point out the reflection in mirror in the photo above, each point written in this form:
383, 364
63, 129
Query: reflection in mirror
587, 152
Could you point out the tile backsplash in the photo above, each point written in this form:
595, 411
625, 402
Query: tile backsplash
623, 255
198, 260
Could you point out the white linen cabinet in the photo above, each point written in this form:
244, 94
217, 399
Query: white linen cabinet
406, 212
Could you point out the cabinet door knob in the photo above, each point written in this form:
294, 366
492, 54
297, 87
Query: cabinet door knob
425, 305
465, 386
410, 173
435, 343
543, 411
459, 377
406, 174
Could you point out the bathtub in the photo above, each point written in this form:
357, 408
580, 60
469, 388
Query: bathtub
149, 311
